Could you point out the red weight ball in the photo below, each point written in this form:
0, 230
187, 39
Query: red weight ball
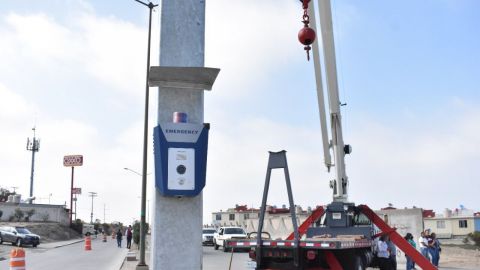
306, 35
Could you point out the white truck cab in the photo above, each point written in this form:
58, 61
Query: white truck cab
227, 233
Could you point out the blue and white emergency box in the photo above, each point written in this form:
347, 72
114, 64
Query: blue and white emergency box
180, 151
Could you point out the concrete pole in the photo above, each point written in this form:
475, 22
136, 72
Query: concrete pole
177, 222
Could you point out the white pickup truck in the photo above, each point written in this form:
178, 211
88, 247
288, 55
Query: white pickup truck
227, 233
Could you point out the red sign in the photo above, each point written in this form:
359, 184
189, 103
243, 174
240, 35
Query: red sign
77, 190
71, 161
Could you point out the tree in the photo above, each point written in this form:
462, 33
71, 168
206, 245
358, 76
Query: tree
77, 225
97, 224
18, 214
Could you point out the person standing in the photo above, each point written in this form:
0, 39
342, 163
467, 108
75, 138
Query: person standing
423, 244
119, 238
129, 234
383, 254
410, 263
392, 249
434, 249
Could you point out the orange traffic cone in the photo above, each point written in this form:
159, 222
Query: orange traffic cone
88, 242
17, 259
113, 235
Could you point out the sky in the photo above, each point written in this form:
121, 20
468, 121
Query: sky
408, 71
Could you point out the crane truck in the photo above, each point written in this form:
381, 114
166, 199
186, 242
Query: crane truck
340, 235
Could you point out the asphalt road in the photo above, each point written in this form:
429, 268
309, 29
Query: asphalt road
105, 256
219, 260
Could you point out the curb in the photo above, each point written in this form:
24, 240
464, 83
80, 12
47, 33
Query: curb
68, 244
123, 262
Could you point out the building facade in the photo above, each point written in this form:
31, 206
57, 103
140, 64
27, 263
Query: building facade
41, 212
454, 224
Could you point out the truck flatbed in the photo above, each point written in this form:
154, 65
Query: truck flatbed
309, 243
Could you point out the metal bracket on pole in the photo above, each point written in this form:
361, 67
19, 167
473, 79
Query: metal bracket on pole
183, 77
277, 160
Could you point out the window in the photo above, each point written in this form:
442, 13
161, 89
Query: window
246, 216
218, 217
208, 231
231, 216
440, 224
234, 231
462, 223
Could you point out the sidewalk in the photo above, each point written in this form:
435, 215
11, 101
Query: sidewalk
134, 250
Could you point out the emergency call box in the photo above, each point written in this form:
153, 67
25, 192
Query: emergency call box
181, 169
180, 151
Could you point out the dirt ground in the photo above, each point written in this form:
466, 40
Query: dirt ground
48, 232
459, 257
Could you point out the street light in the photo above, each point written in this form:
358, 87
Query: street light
133, 171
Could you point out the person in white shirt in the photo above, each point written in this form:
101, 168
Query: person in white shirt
423, 244
383, 254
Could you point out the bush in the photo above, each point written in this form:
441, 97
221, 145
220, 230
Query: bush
29, 214
18, 214
106, 228
136, 231
45, 217
77, 226
475, 237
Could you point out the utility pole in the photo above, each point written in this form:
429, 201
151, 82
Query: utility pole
141, 263
182, 46
34, 146
104, 213
93, 195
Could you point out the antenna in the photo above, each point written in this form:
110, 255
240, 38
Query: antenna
34, 146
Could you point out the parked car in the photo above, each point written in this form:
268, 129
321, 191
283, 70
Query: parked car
207, 236
227, 233
19, 236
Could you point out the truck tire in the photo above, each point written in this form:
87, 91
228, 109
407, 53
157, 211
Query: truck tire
358, 263
225, 249
215, 246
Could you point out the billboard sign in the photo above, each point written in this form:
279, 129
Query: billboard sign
74, 160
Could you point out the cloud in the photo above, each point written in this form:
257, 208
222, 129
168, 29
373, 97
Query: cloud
47, 68
392, 162
417, 162
80, 79
250, 39
12, 104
